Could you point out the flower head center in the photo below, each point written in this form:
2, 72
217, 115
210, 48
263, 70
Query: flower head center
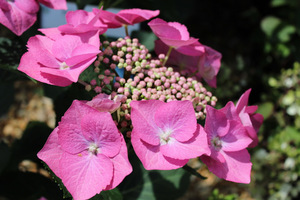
93, 148
165, 137
217, 143
64, 66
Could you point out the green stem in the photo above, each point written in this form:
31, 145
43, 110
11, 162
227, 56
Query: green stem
82, 82
126, 30
168, 54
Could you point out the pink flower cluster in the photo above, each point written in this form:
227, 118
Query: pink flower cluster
19, 15
159, 107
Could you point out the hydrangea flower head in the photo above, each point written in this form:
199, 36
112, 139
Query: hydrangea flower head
172, 34
57, 62
166, 135
87, 152
228, 141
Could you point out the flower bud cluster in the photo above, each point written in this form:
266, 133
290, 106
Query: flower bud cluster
146, 78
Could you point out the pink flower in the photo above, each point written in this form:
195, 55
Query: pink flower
166, 135
57, 62
81, 23
87, 152
55, 4
228, 141
18, 15
103, 102
127, 17
246, 114
172, 34
196, 58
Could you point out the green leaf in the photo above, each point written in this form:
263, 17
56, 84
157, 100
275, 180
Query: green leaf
113, 194
153, 184
266, 109
269, 24
285, 33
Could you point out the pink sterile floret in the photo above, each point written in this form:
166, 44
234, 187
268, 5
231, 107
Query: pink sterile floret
246, 114
166, 135
228, 141
57, 62
196, 58
18, 15
173, 34
104, 103
87, 152
127, 17
81, 23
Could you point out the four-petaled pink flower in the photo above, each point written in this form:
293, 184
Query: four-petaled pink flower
127, 17
85, 24
246, 114
19, 15
228, 141
87, 152
166, 135
200, 60
172, 34
57, 62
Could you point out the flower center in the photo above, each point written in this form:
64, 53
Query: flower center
64, 66
93, 148
217, 143
165, 137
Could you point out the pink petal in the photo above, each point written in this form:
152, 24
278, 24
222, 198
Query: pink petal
243, 101
152, 158
178, 117
52, 33
216, 123
32, 68
99, 128
122, 166
135, 15
55, 4
51, 153
103, 103
237, 167
63, 47
192, 148
142, 117
17, 20
71, 137
236, 139
109, 19
28, 6
85, 175
40, 47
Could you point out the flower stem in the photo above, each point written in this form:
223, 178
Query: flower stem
168, 54
126, 30
82, 82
